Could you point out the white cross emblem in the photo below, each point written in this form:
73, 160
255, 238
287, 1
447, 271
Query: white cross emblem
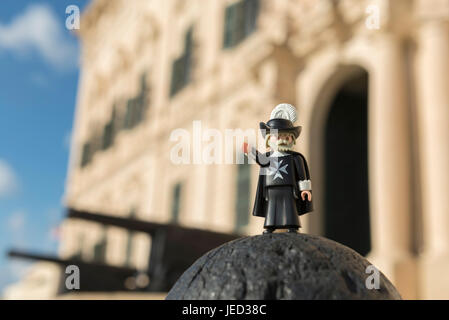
277, 169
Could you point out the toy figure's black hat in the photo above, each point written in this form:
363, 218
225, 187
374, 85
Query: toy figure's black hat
281, 125
281, 119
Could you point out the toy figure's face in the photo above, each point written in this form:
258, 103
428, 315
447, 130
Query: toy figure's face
281, 142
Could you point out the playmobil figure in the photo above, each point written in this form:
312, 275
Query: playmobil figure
284, 189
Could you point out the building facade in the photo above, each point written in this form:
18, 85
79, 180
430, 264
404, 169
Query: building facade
369, 79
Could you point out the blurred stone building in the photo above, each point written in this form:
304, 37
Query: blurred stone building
370, 80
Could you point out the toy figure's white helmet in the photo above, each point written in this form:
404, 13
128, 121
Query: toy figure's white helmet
284, 111
282, 118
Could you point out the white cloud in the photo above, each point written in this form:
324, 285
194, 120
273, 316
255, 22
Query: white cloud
16, 221
8, 180
38, 28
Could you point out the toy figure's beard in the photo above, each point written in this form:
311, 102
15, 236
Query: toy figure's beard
281, 145
285, 148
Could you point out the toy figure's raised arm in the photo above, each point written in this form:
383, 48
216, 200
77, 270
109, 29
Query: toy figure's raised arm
251, 152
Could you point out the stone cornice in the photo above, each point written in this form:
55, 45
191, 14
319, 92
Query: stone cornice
314, 24
92, 14
432, 10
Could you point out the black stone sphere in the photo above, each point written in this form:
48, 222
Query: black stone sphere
280, 266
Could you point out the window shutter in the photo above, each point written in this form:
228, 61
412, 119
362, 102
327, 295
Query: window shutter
181, 72
85, 158
240, 22
176, 203
251, 14
229, 26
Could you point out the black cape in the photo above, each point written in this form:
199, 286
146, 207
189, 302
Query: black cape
302, 173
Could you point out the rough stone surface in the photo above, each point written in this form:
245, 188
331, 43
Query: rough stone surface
280, 266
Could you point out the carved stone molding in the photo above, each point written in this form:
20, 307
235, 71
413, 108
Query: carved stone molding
427, 10
312, 24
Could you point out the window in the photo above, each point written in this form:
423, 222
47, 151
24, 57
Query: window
240, 22
135, 108
100, 249
176, 203
108, 132
242, 197
181, 71
104, 138
86, 155
78, 254
94, 144
130, 117
129, 242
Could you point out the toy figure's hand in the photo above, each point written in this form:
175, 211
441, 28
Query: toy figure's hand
306, 193
245, 147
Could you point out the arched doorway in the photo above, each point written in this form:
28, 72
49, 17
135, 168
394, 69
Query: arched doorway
345, 166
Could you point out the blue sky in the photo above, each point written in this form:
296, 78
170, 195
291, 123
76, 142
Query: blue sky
38, 87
